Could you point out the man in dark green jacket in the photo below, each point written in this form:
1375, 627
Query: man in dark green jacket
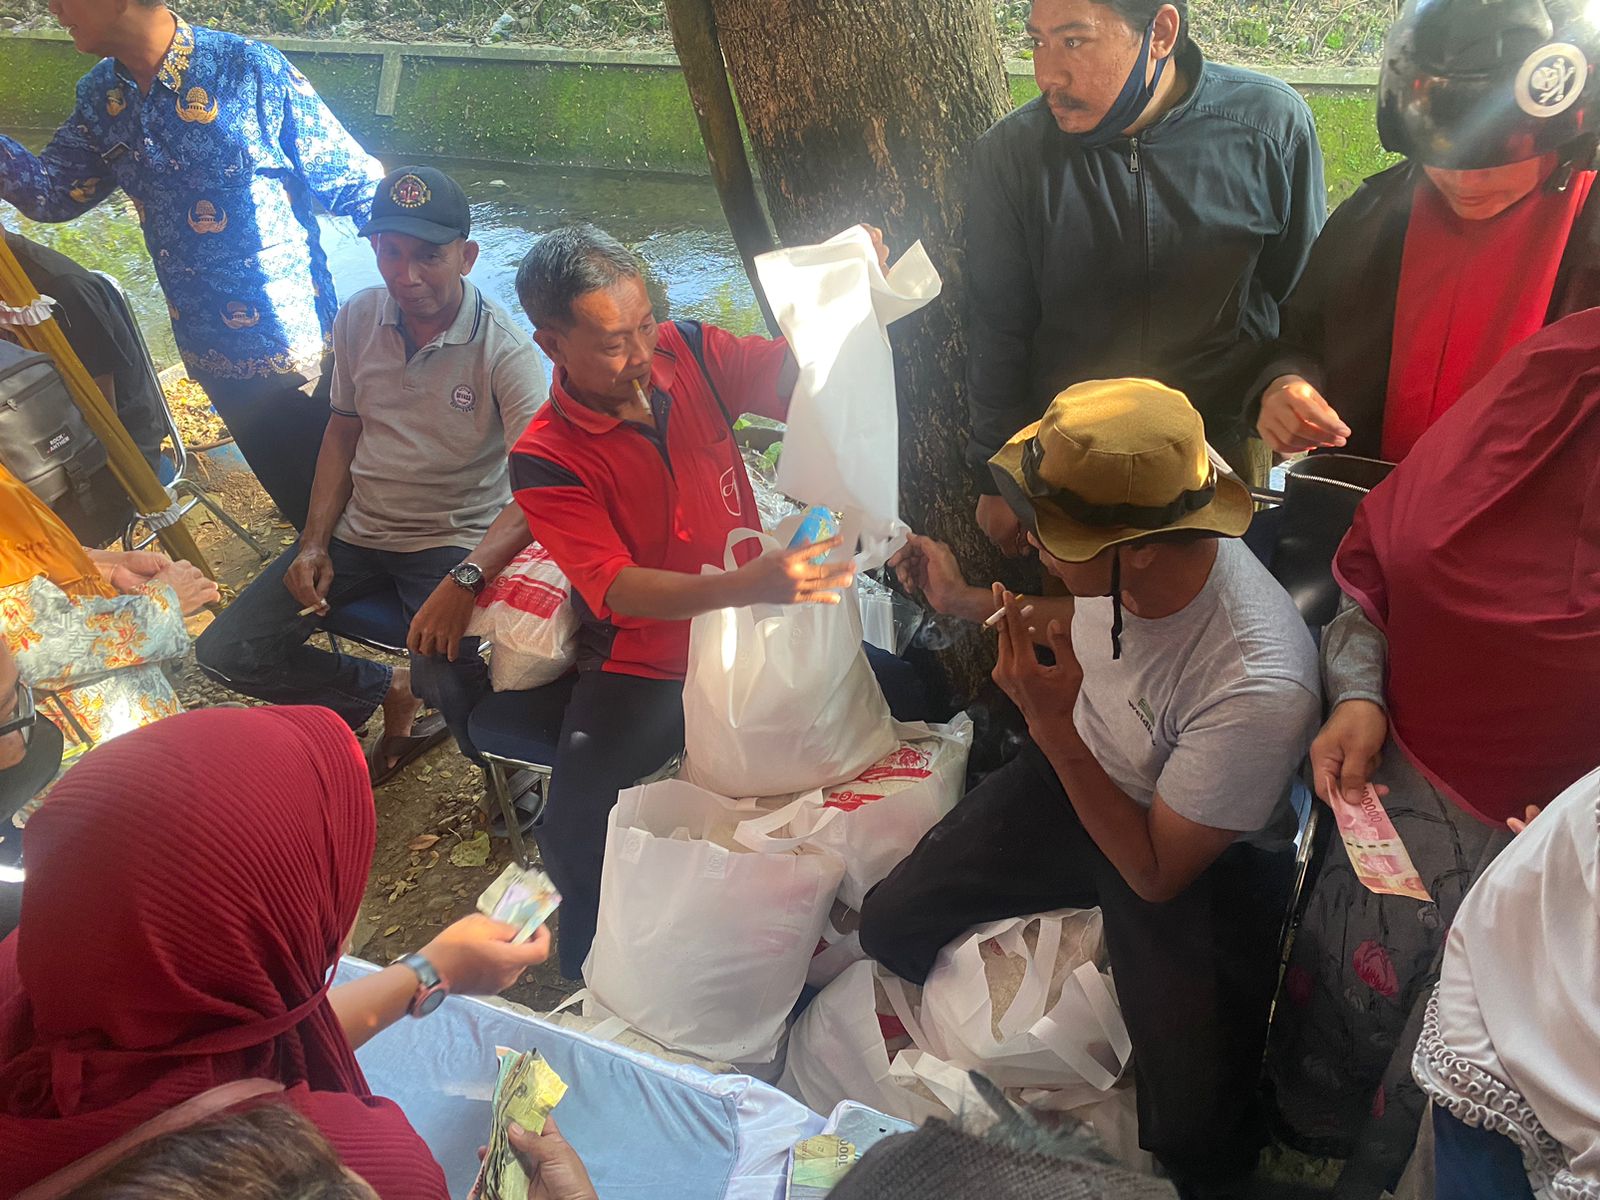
1145, 216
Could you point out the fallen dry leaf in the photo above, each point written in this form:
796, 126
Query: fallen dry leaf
422, 842
391, 931
474, 852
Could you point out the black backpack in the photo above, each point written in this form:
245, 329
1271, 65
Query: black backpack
44, 440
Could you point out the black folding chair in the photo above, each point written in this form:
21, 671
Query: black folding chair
1296, 537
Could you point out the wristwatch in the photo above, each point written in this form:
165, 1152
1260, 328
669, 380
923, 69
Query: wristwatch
468, 575
431, 989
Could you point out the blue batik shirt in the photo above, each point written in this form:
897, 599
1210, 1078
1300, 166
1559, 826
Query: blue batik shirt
225, 158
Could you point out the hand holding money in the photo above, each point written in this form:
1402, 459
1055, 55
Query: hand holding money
1349, 749
554, 1170
526, 1091
478, 956
1381, 861
521, 896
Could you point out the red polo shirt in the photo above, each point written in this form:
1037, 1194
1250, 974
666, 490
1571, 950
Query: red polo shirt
602, 494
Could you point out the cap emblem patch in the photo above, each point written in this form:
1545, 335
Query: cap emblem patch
410, 192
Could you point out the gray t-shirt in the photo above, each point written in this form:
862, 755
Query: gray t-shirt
430, 468
1213, 707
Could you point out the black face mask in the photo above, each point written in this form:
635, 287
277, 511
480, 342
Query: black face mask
21, 781
1132, 100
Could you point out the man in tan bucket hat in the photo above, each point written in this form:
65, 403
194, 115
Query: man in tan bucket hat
1181, 698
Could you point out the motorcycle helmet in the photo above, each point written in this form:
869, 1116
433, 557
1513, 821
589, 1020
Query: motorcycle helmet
1470, 84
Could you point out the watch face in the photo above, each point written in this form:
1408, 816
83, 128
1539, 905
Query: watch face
431, 1001
468, 575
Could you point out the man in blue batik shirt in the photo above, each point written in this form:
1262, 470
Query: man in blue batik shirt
226, 152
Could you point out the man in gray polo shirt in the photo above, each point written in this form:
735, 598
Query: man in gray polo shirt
432, 385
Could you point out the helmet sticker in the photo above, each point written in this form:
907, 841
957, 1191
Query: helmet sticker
1551, 80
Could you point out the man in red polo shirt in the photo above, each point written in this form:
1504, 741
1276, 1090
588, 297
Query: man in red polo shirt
632, 480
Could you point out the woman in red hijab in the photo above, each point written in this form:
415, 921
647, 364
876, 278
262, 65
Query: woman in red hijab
190, 886
1463, 677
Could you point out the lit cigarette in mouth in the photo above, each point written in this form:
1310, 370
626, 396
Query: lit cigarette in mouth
638, 390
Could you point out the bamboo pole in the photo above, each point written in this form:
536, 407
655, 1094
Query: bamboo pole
127, 464
694, 35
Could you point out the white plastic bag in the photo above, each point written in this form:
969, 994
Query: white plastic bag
702, 943
834, 305
780, 699
1024, 1002
887, 808
527, 616
839, 948
837, 1051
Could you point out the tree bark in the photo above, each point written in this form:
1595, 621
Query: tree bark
694, 36
863, 110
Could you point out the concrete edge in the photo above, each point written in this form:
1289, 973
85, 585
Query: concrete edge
1298, 77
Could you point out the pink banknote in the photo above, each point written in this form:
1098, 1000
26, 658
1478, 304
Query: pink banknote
1379, 857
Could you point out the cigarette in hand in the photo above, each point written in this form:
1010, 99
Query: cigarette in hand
1000, 614
319, 606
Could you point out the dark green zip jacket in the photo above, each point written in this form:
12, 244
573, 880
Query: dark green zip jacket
1165, 256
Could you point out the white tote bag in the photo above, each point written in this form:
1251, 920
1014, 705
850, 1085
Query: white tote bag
780, 699
885, 810
702, 943
834, 305
1024, 1002
837, 1052
527, 616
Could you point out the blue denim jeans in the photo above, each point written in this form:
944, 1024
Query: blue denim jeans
1475, 1164
258, 646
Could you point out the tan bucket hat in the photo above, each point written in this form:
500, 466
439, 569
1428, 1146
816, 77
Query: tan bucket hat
1113, 461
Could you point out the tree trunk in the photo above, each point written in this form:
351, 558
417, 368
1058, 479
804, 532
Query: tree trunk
863, 110
694, 36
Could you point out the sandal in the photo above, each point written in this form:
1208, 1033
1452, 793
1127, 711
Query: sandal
427, 733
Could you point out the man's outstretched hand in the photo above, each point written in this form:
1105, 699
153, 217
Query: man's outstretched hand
792, 576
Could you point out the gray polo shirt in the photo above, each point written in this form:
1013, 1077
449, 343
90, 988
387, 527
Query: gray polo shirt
430, 466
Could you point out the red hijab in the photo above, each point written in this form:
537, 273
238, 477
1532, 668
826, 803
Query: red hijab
190, 885
1469, 292
1479, 558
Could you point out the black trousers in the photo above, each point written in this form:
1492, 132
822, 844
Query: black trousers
617, 730
277, 422
1195, 976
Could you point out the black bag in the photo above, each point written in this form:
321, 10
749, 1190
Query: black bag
44, 440
1320, 497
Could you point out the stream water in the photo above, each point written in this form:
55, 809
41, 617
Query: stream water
673, 223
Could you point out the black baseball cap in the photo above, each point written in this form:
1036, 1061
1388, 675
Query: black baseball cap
422, 202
